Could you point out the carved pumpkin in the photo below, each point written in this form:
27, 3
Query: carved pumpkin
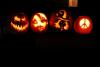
39, 22
61, 20
83, 25
19, 22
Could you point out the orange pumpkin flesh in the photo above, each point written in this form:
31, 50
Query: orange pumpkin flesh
83, 25
60, 20
20, 23
39, 22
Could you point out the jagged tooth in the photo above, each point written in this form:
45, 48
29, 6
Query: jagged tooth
21, 27
18, 26
24, 27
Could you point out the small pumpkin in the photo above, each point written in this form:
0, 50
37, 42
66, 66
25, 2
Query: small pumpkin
60, 20
19, 22
39, 22
83, 25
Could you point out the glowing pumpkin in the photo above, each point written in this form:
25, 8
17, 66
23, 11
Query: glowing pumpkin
19, 22
39, 22
61, 20
83, 25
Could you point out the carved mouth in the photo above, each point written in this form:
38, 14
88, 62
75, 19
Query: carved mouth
41, 28
19, 27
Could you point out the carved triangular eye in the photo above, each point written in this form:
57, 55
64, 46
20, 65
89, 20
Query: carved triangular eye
23, 19
16, 18
19, 23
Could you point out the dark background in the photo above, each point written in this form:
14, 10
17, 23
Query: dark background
50, 39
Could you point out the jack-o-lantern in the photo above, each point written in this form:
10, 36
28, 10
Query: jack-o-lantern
61, 20
39, 22
83, 25
19, 22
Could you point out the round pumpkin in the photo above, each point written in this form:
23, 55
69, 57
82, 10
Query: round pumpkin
83, 25
19, 22
39, 22
61, 20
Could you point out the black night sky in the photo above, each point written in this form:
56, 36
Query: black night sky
50, 39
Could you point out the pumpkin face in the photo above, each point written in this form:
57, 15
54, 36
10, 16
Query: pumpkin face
39, 22
83, 25
60, 20
20, 23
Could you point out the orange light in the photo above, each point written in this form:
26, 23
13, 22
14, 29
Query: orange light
60, 20
23, 19
83, 25
39, 22
16, 18
20, 23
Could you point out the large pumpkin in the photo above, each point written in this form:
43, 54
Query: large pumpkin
61, 20
19, 22
39, 22
83, 25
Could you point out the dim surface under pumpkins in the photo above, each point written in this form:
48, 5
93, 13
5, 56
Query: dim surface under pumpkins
61, 20
39, 22
83, 25
0, 33
19, 22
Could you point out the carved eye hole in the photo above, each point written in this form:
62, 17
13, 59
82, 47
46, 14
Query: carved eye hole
43, 20
16, 18
23, 19
60, 12
36, 19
